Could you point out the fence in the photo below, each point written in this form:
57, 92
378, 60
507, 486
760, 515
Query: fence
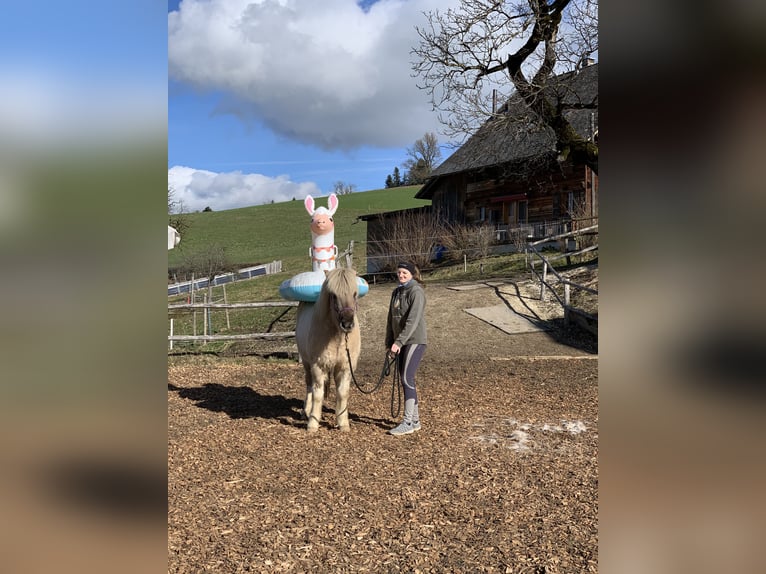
345, 258
207, 334
582, 317
434, 244
531, 230
246, 273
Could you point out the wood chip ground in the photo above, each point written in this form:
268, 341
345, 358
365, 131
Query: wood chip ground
503, 477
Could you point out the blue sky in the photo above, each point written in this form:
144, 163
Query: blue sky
75, 77
264, 100
81, 69
270, 100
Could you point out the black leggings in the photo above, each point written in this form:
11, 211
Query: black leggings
409, 360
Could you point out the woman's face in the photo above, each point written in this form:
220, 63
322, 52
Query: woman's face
403, 275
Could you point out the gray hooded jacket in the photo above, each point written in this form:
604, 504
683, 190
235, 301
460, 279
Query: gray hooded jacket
406, 324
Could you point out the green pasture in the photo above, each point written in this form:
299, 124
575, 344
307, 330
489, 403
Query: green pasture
280, 231
261, 234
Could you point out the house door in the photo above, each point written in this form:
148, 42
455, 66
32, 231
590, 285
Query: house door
517, 212
509, 208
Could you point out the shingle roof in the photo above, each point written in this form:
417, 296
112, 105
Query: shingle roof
515, 136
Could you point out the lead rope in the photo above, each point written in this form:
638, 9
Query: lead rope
396, 387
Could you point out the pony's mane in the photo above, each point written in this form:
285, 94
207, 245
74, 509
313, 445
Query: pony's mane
341, 282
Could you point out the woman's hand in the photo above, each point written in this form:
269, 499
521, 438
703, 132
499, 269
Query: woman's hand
395, 349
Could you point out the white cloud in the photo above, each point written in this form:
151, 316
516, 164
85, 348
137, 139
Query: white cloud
197, 189
47, 106
326, 73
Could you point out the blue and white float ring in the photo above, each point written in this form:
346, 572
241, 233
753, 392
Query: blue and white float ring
307, 285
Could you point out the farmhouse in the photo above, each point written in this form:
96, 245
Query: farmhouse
510, 175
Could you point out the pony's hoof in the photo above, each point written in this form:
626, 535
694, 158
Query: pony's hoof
345, 429
312, 428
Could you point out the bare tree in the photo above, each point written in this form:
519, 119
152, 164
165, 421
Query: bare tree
468, 240
343, 188
176, 213
519, 237
581, 218
208, 261
469, 57
422, 158
405, 236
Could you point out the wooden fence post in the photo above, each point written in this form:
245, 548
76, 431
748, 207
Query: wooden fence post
209, 335
228, 324
350, 255
204, 317
192, 301
543, 280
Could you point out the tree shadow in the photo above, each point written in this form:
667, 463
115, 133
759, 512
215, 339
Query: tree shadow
570, 335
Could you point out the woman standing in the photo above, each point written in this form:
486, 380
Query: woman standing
406, 337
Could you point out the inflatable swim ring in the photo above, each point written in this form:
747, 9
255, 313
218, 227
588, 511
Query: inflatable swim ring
307, 285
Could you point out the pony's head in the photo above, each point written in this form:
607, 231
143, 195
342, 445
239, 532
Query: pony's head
339, 294
321, 217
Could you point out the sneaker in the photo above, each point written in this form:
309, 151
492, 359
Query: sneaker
405, 427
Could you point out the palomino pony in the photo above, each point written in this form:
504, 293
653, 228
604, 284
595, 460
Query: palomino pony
329, 343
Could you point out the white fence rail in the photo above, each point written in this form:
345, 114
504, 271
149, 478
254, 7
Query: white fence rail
207, 336
245, 273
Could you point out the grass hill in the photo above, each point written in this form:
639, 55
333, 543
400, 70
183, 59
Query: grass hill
280, 231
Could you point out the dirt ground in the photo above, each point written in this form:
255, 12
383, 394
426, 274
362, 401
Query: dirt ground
503, 477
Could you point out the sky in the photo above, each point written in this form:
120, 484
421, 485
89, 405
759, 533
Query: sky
63, 77
270, 100
76, 75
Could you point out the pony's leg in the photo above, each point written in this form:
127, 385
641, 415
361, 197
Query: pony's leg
314, 409
342, 389
309, 393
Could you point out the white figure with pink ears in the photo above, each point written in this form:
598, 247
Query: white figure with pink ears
323, 252
323, 249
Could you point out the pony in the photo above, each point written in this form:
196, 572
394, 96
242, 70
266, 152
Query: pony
329, 343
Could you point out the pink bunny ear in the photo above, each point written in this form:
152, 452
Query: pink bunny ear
309, 203
332, 203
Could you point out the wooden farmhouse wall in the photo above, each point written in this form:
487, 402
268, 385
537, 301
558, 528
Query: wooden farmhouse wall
488, 197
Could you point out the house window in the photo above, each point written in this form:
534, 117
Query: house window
522, 212
482, 213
